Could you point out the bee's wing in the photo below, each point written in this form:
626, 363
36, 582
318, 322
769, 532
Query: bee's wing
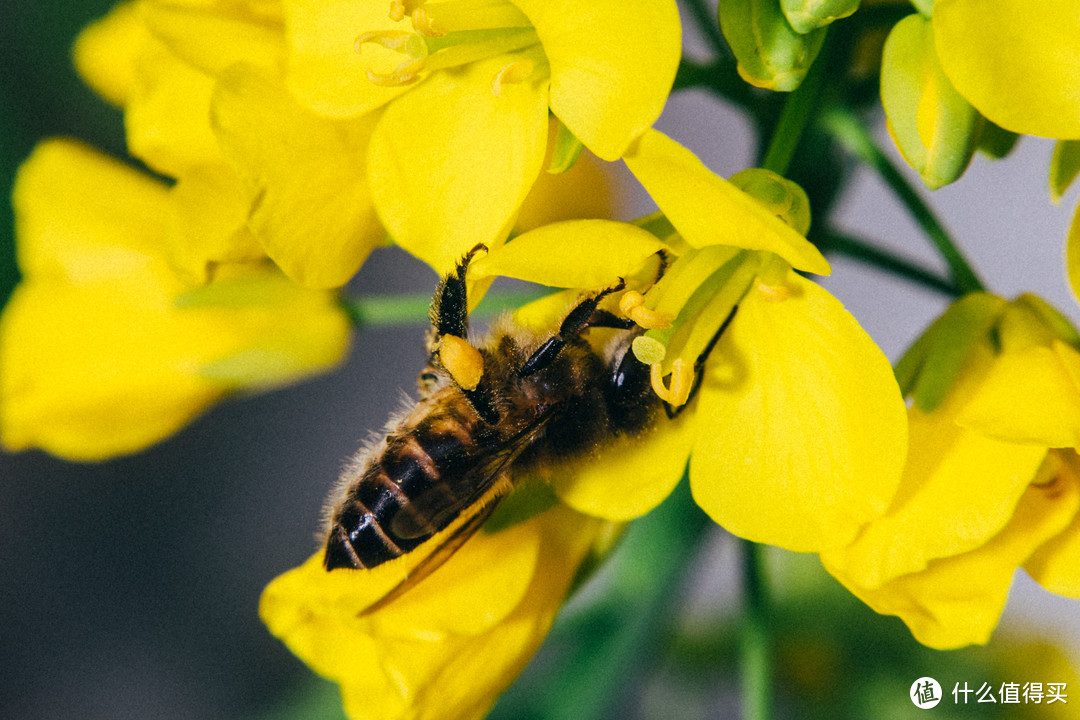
446, 544
477, 494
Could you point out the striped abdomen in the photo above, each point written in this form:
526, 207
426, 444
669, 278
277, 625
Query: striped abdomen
420, 482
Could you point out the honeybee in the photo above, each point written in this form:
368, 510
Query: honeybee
485, 414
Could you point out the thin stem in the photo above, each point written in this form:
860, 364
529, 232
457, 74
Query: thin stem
755, 647
843, 124
874, 256
797, 111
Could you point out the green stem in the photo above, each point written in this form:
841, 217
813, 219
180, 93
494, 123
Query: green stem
798, 109
412, 308
850, 132
872, 255
756, 641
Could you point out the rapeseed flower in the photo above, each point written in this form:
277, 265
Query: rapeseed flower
992, 481
447, 647
796, 404
459, 93
103, 348
268, 106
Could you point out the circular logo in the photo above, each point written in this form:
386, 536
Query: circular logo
925, 693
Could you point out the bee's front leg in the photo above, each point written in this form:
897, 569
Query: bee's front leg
582, 316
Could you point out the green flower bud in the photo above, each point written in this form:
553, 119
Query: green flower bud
808, 15
770, 53
1064, 167
933, 126
785, 198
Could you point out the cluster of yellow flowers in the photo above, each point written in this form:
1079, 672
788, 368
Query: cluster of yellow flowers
296, 136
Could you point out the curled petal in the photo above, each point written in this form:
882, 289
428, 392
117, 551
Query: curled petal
105, 52
708, 210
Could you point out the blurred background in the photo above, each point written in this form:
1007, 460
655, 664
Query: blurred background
129, 588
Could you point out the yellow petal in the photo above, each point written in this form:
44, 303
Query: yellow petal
407, 659
90, 372
574, 253
312, 210
68, 227
105, 52
1017, 63
801, 431
708, 210
957, 601
325, 71
211, 38
167, 116
451, 150
210, 210
632, 475
958, 490
1029, 397
612, 65
1056, 565
98, 358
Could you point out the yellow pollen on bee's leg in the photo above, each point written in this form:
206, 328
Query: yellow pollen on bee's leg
464, 362
407, 43
632, 305
515, 72
682, 380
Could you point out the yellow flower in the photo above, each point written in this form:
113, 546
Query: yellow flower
103, 350
202, 88
447, 647
461, 91
797, 436
992, 481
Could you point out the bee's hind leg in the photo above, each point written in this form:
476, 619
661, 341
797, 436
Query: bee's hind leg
582, 316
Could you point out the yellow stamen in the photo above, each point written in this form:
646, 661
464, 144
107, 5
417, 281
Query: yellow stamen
389, 39
515, 72
406, 74
464, 362
399, 9
632, 305
682, 380
421, 22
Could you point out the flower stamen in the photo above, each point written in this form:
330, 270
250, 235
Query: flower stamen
632, 305
400, 9
682, 380
406, 43
515, 72
421, 22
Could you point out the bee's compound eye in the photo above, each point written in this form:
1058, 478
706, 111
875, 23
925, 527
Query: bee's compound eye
339, 551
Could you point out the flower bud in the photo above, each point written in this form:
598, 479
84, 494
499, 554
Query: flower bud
785, 198
770, 53
808, 15
933, 126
